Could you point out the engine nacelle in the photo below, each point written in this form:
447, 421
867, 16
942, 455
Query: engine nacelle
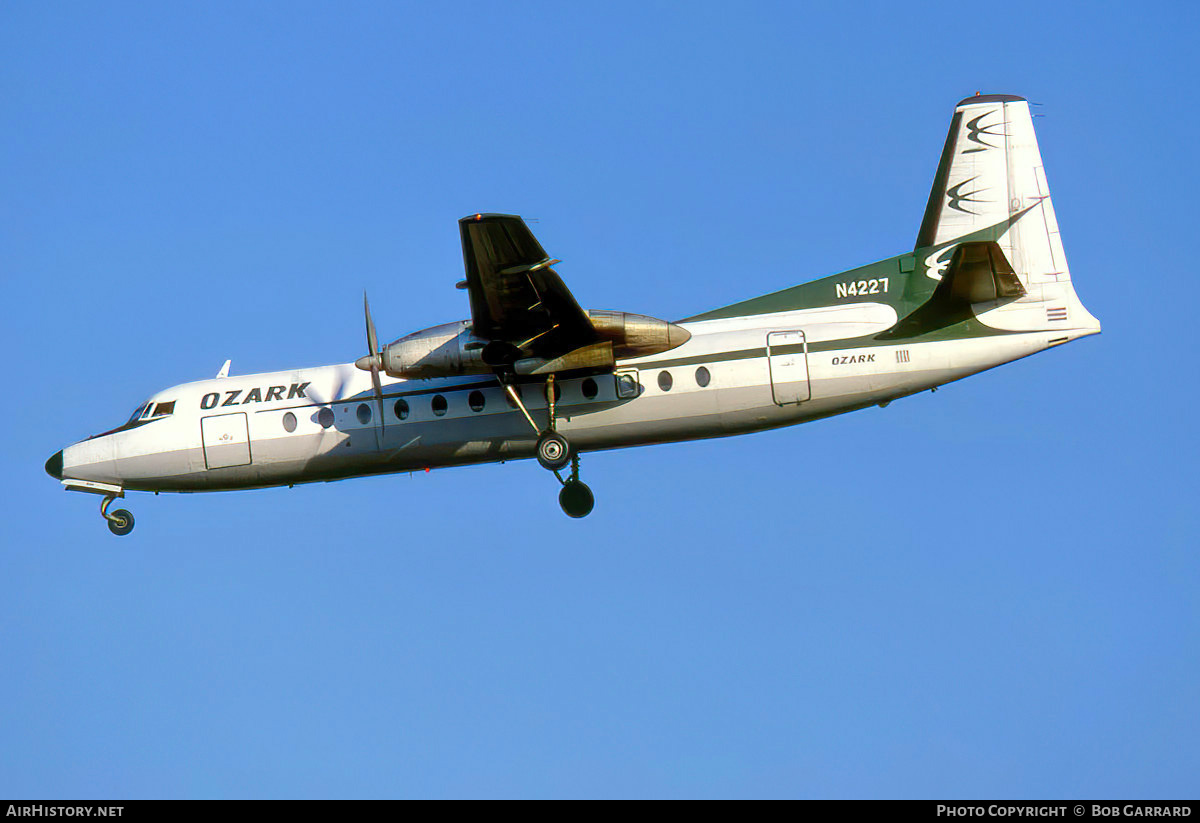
440, 351
452, 349
636, 335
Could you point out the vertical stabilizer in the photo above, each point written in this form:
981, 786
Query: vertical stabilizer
990, 186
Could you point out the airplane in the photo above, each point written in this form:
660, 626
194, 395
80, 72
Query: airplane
532, 374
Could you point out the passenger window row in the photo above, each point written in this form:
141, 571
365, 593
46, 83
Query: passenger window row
666, 382
475, 400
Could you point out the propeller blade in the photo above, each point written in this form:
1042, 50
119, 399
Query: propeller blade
372, 340
379, 397
373, 348
343, 378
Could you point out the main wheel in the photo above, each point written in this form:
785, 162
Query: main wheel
120, 522
576, 499
553, 451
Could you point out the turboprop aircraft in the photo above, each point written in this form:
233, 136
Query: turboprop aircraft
531, 374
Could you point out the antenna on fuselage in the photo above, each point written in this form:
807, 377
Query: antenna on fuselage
224, 372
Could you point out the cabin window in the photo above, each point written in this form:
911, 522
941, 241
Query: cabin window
401, 409
364, 413
476, 400
702, 377
289, 422
590, 389
665, 381
325, 417
439, 405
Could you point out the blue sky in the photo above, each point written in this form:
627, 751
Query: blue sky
988, 591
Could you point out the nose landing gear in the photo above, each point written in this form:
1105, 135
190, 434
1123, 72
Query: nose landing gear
120, 522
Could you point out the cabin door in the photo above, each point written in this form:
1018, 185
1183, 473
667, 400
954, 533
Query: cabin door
226, 440
787, 361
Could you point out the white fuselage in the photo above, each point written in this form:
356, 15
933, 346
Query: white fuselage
734, 375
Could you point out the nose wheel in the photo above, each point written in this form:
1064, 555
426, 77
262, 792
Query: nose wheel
120, 522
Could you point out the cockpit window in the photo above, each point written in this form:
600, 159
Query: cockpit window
148, 410
141, 415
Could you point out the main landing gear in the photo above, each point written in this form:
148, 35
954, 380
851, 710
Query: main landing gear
575, 497
554, 453
120, 522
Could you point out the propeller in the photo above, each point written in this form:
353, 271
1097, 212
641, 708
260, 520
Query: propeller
372, 362
344, 376
374, 359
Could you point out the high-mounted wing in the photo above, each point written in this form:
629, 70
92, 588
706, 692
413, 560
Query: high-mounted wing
516, 297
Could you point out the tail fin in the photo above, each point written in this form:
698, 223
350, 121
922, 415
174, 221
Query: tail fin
991, 186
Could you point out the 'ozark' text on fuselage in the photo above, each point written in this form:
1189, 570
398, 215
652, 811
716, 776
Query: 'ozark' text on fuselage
234, 397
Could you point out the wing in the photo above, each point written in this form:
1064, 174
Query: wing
516, 297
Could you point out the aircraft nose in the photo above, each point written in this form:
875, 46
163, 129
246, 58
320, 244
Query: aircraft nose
54, 466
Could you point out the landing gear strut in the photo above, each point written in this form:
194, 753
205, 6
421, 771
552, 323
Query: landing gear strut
120, 522
554, 453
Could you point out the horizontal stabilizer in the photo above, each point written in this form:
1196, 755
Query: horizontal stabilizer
978, 278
